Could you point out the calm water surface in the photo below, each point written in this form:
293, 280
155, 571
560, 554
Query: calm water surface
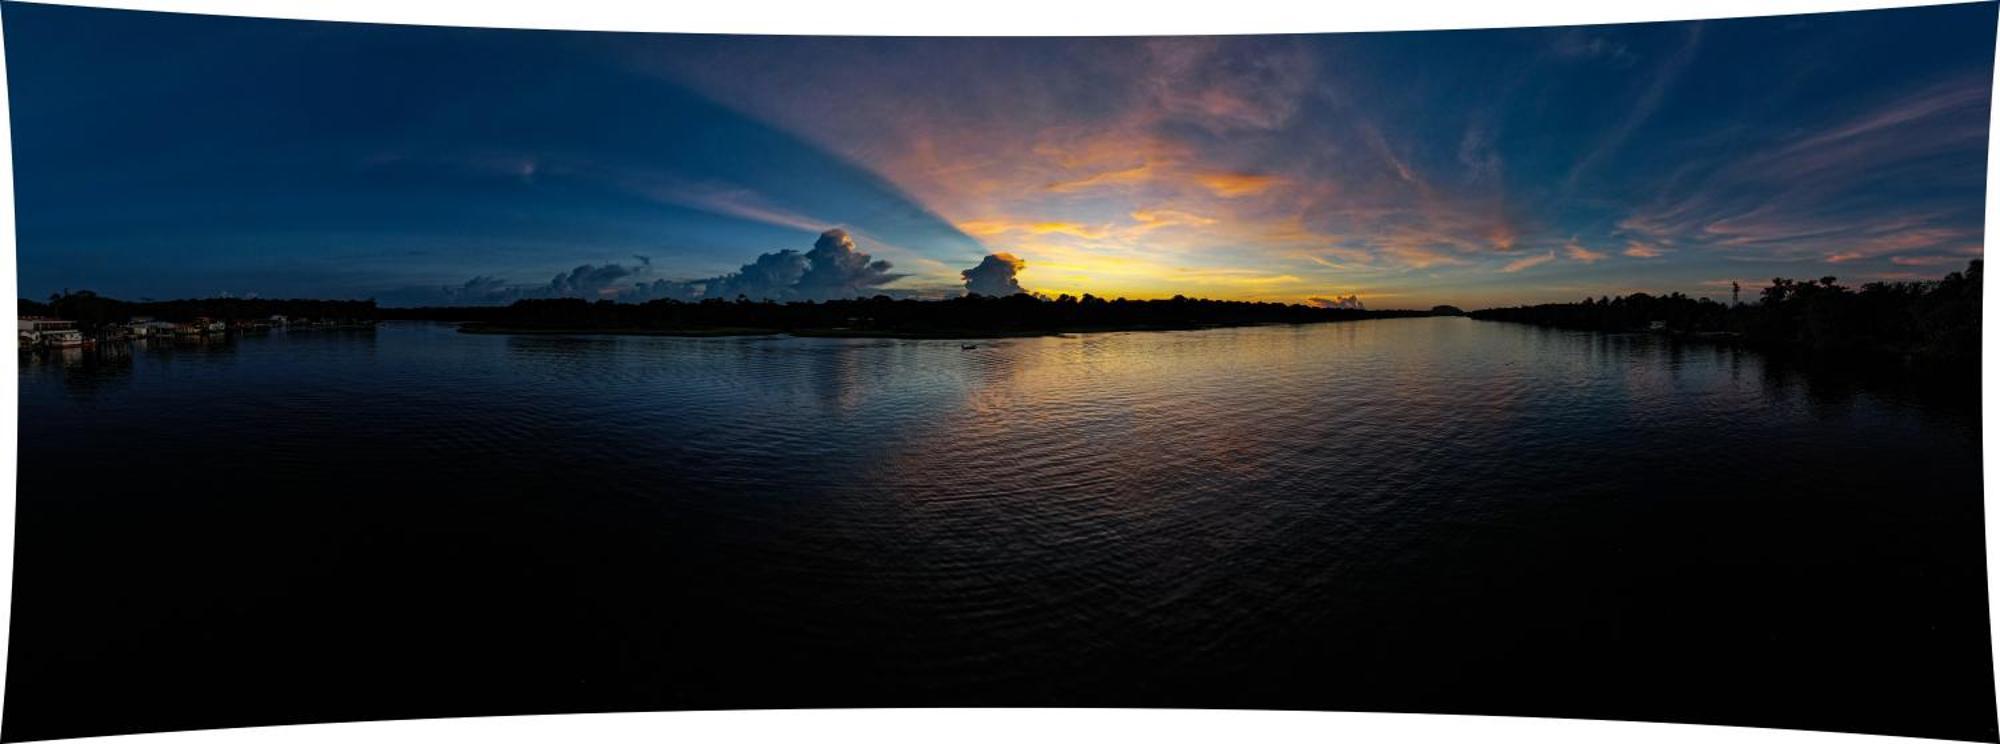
1435, 515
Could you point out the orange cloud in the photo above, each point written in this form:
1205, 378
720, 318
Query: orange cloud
984, 228
1067, 228
994, 227
1419, 257
1636, 249
1150, 219
1123, 177
1229, 185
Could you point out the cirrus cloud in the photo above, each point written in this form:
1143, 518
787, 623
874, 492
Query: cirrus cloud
1529, 262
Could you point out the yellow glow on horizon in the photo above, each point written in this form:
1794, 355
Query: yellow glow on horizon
1055, 270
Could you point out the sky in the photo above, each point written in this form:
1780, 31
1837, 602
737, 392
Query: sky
163, 156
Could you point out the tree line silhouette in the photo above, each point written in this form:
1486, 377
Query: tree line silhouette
92, 311
1930, 319
974, 314
1020, 314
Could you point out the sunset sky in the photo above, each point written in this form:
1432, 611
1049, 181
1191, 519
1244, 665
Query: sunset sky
174, 156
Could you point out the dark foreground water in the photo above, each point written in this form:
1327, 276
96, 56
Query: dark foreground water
1433, 515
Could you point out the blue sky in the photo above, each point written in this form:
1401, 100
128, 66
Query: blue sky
162, 155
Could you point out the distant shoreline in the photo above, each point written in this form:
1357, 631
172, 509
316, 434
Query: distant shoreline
496, 329
492, 329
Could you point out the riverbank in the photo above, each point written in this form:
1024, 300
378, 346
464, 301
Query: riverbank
969, 317
1924, 322
1850, 352
896, 333
507, 330
1941, 380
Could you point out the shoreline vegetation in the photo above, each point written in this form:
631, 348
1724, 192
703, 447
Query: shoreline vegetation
969, 317
1936, 322
972, 316
1932, 322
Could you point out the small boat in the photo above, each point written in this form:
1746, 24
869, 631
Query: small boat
65, 339
968, 347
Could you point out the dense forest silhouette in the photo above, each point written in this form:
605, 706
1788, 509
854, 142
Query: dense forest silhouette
1936, 320
1930, 319
92, 311
972, 315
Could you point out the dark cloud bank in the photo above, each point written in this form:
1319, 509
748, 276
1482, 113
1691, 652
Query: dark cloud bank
833, 270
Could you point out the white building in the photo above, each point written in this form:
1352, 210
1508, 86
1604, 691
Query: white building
49, 332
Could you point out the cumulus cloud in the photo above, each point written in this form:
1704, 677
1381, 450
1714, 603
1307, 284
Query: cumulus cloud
479, 288
1350, 302
588, 281
995, 276
771, 276
832, 270
835, 270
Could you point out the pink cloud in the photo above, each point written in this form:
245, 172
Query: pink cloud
1528, 263
1577, 252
